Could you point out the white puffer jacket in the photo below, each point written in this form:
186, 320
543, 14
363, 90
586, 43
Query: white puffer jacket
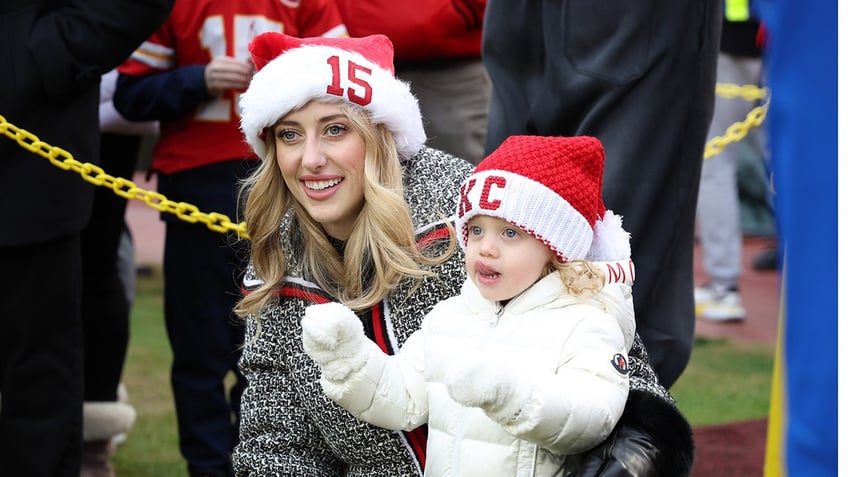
557, 363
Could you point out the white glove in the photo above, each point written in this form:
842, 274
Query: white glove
334, 338
496, 389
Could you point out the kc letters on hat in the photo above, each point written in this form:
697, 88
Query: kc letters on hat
360, 71
550, 187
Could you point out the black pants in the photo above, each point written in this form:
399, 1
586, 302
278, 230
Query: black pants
105, 305
203, 271
41, 359
640, 76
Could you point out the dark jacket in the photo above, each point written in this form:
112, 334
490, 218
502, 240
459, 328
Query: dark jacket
53, 56
652, 439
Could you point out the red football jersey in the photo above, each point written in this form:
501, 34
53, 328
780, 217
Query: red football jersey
197, 31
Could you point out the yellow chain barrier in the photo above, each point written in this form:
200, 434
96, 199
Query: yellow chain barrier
122, 187
221, 223
738, 130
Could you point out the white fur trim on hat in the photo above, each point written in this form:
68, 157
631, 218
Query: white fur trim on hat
529, 205
302, 74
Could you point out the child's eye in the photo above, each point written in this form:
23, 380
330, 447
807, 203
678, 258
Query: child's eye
511, 233
475, 230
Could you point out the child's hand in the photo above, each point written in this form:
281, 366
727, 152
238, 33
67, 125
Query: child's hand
497, 389
334, 338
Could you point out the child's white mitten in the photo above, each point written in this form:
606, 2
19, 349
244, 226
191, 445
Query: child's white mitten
474, 381
334, 338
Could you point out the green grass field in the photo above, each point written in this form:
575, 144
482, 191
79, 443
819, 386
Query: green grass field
724, 382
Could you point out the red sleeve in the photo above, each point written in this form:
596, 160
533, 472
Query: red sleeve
154, 55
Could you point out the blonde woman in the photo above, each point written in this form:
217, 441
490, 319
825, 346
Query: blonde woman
349, 206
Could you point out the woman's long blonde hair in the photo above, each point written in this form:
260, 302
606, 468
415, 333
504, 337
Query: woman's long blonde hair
380, 252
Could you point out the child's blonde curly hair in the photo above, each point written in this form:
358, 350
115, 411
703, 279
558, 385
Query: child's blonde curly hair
579, 277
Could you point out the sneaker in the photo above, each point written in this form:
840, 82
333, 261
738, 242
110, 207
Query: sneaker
716, 304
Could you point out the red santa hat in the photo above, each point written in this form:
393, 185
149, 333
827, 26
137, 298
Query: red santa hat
360, 71
550, 187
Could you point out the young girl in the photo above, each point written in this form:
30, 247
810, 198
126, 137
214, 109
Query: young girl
348, 206
528, 363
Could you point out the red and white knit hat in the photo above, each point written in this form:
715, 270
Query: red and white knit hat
292, 71
550, 187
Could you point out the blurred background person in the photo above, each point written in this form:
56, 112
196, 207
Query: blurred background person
188, 75
56, 52
108, 290
718, 216
801, 70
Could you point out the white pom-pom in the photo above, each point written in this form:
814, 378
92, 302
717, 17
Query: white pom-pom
610, 241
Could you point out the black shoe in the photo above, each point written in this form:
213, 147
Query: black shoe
766, 260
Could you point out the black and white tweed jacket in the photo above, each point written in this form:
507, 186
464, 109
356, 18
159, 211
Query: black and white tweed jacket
288, 427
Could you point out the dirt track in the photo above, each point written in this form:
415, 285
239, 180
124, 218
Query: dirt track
733, 450
738, 449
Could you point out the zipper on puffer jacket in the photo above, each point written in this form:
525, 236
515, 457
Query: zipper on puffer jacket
497, 318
